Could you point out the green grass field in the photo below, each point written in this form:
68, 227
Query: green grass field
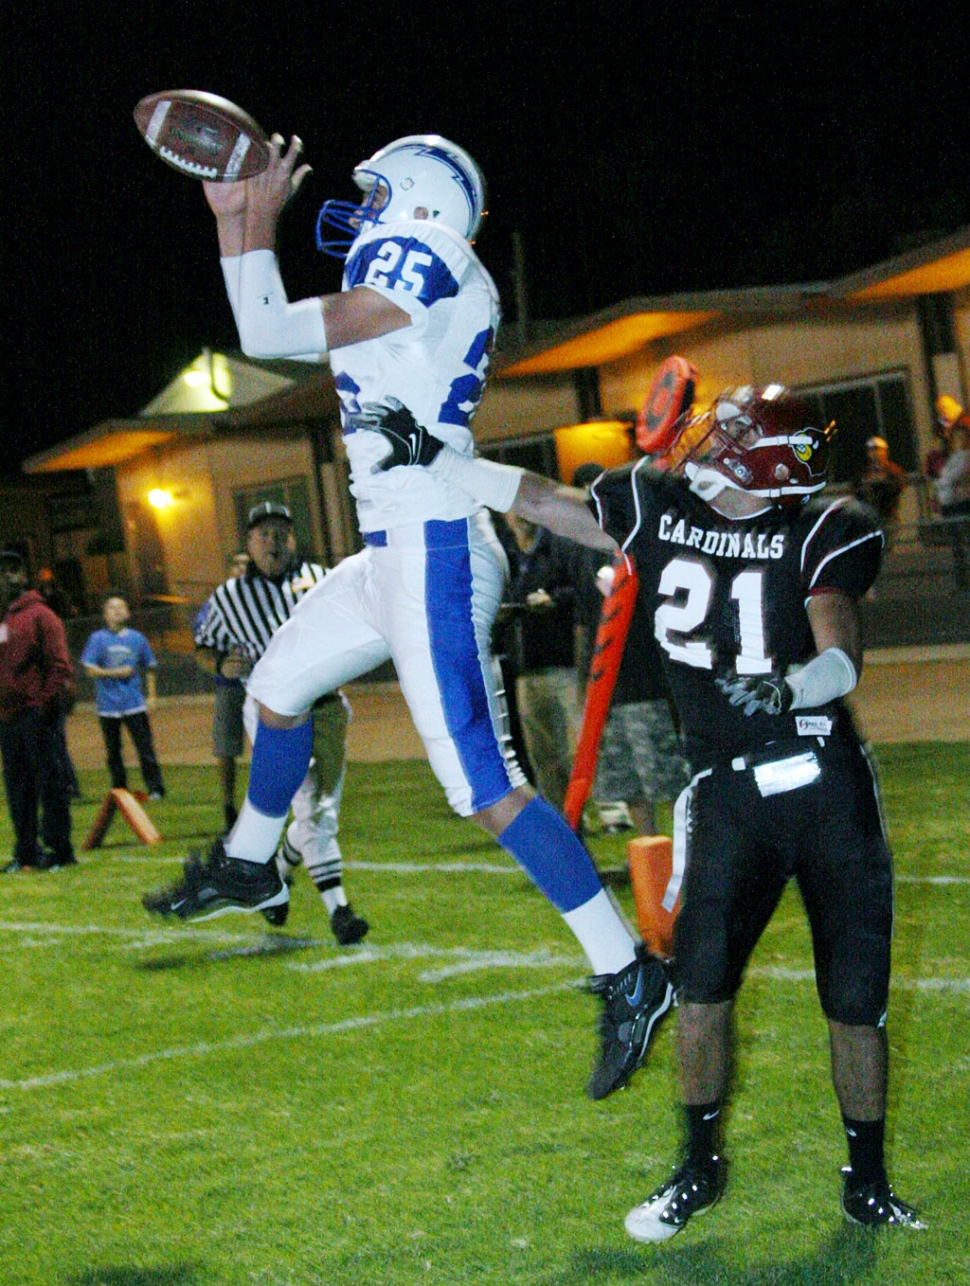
220, 1105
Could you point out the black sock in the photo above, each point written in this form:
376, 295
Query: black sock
866, 1157
703, 1121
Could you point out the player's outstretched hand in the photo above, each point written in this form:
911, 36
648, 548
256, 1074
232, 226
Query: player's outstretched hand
765, 693
265, 193
409, 441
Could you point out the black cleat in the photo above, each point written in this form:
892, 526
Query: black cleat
277, 915
221, 883
287, 859
348, 927
875, 1205
691, 1190
634, 1002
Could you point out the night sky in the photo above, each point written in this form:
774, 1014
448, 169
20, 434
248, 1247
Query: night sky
693, 146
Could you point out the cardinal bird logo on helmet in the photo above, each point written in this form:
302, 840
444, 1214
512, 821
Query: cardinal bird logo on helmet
759, 440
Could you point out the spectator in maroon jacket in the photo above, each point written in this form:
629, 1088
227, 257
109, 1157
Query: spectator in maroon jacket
36, 684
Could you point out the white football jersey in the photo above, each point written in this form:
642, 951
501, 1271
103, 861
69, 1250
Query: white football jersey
436, 366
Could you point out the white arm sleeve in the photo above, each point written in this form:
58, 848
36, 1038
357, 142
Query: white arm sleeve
268, 324
829, 675
494, 485
230, 275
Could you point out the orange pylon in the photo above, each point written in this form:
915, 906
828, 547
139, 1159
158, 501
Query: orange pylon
124, 802
651, 861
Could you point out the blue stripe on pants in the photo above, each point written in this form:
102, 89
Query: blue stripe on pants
457, 665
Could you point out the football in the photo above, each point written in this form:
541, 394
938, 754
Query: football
202, 135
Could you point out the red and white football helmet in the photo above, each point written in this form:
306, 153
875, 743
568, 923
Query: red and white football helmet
759, 440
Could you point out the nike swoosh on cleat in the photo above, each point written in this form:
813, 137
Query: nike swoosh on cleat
637, 996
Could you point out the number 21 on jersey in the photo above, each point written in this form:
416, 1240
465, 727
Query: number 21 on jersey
674, 621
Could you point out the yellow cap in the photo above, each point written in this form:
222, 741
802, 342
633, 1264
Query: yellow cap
948, 409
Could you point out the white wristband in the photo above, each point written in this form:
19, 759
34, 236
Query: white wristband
494, 485
829, 675
268, 324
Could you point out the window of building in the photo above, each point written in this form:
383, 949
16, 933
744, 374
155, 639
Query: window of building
875, 406
536, 454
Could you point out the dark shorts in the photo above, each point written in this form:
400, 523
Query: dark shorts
742, 849
228, 735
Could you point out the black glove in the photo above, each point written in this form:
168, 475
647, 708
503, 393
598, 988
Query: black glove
766, 693
410, 443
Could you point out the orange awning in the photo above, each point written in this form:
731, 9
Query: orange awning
608, 342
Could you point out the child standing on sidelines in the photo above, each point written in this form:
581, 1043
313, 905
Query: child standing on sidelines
115, 658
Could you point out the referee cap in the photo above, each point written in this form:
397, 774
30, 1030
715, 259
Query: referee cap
267, 509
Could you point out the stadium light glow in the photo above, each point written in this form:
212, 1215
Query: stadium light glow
159, 498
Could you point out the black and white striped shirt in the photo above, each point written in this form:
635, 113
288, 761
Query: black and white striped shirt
246, 611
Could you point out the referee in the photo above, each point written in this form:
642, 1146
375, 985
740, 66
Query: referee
231, 633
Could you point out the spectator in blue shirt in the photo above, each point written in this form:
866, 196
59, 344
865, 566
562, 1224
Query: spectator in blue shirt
115, 658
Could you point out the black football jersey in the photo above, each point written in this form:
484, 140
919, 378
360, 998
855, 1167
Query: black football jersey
729, 598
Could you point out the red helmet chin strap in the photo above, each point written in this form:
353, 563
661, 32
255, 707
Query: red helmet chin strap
671, 397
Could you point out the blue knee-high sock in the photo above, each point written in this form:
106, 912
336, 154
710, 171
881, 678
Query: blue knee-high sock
281, 757
551, 855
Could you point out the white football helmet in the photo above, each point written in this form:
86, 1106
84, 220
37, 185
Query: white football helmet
419, 176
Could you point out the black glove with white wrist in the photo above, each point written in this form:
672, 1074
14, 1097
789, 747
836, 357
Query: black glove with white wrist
410, 442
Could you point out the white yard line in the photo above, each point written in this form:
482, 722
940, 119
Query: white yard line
266, 1036
398, 868
415, 868
472, 868
466, 959
132, 937
933, 879
960, 986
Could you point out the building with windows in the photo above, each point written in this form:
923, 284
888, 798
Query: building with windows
872, 351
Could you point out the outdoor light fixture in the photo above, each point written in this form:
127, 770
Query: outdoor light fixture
210, 380
159, 498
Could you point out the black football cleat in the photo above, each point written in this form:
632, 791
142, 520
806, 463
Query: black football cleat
219, 884
692, 1190
277, 915
348, 927
875, 1205
287, 859
634, 1002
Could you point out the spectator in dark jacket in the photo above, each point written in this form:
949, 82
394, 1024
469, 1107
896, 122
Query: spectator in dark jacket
36, 685
540, 644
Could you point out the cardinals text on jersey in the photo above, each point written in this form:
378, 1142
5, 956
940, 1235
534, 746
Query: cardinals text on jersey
729, 597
